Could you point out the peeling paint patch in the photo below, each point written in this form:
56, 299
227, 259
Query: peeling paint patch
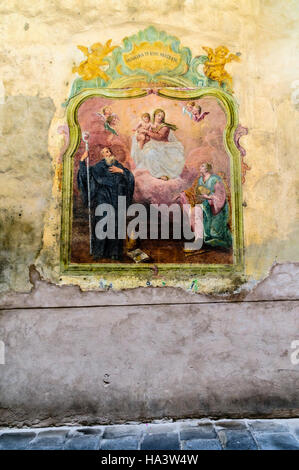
47, 294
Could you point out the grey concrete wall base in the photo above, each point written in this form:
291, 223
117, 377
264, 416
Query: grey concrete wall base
99, 365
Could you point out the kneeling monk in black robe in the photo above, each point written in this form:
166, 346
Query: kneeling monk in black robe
108, 180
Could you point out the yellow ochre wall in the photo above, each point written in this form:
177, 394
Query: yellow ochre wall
38, 51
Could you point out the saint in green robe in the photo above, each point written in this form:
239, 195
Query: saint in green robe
216, 213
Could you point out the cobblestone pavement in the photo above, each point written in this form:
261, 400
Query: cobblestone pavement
201, 434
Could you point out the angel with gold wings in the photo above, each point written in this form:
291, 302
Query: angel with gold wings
91, 67
214, 66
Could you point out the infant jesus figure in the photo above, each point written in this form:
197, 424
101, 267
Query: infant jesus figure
143, 126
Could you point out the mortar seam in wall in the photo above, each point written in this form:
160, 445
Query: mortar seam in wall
219, 302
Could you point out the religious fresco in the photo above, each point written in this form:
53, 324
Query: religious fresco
147, 127
162, 171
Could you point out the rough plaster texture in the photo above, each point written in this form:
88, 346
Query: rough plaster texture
97, 364
127, 355
44, 294
39, 42
25, 185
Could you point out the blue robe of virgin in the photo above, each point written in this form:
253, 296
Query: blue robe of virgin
105, 187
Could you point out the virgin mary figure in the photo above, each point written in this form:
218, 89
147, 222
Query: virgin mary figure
162, 155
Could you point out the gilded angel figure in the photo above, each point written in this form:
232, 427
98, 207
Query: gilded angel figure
91, 67
214, 66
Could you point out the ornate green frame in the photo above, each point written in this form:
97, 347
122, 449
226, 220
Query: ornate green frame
170, 271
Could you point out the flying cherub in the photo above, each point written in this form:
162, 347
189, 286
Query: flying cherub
214, 66
197, 115
91, 67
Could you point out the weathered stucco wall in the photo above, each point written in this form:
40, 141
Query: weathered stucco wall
107, 364
38, 51
225, 358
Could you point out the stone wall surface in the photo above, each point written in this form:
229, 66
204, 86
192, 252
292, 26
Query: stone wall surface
75, 354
